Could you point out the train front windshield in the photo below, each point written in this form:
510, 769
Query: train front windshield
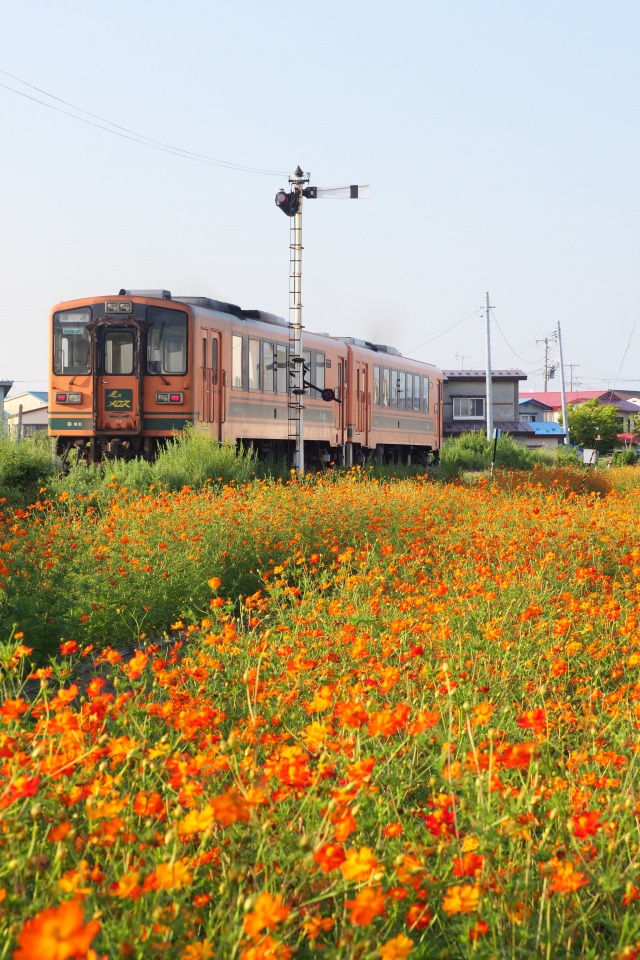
71, 344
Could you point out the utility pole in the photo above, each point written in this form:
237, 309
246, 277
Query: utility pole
545, 340
571, 366
565, 416
487, 316
462, 357
291, 204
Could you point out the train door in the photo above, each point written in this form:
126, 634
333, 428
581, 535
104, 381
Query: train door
210, 375
340, 409
117, 366
362, 405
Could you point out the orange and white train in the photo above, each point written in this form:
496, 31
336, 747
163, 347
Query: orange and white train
130, 370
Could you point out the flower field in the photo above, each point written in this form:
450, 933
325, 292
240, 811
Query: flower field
389, 720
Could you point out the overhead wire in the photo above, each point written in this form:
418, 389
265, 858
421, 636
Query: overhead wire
120, 131
626, 349
529, 363
448, 330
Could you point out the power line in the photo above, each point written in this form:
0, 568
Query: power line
627, 346
474, 313
529, 363
119, 131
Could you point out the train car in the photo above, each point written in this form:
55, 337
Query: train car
131, 370
393, 404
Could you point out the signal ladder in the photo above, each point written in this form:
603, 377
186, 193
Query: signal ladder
295, 356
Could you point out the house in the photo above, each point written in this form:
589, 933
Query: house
464, 404
628, 411
5, 386
534, 411
31, 409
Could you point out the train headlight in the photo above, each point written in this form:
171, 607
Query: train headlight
68, 398
118, 306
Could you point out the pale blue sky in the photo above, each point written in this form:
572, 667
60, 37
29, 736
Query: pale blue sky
500, 140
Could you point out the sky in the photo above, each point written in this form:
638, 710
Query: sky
500, 139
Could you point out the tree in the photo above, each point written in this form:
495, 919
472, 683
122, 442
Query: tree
593, 425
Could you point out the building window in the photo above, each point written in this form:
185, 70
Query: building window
468, 408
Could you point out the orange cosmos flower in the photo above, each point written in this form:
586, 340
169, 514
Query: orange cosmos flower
535, 720
368, 904
214, 582
56, 933
461, 899
136, 665
393, 830
418, 916
479, 929
585, 824
518, 755
170, 876
359, 864
12, 709
267, 913
565, 877
482, 713
329, 857
314, 926
396, 949
469, 865
266, 949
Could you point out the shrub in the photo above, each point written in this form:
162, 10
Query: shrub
25, 465
623, 458
193, 459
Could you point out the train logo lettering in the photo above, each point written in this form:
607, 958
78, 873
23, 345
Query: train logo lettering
119, 400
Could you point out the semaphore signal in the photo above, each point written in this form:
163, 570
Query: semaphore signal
290, 202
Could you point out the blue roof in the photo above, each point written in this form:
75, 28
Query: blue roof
540, 403
547, 428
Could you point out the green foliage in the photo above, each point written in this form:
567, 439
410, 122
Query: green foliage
193, 459
623, 458
590, 420
472, 451
24, 466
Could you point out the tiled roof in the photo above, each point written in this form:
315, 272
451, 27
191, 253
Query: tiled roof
481, 375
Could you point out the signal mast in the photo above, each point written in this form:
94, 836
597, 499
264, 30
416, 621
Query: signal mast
291, 204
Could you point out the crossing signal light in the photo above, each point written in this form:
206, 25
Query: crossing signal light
289, 203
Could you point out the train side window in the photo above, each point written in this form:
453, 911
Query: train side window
417, 386
386, 376
402, 388
281, 368
307, 365
425, 394
409, 391
376, 385
254, 364
318, 377
214, 361
394, 388
236, 361
268, 367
